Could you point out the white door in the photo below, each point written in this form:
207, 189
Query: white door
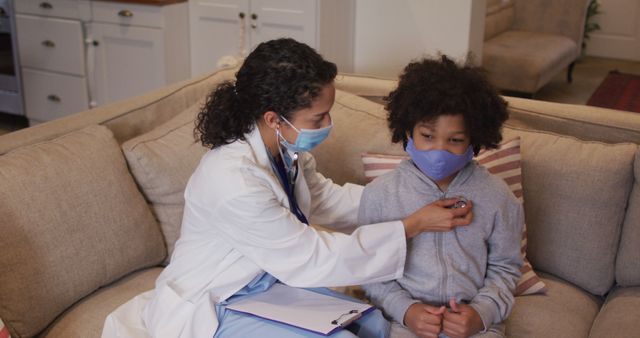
216, 28
271, 19
619, 36
129, 61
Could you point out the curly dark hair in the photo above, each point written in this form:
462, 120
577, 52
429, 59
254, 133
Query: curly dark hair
429, 88
280, 75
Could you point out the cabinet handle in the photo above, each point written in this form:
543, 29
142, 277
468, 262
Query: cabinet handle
48, 43
241, 15
54, 98
125, 13
254, 16
91, 42
46, 5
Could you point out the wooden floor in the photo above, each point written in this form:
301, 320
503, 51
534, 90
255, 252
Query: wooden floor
587, 75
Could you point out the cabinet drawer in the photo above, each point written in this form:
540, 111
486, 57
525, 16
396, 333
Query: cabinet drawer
71, 9
51, 44
49, 96
128, 14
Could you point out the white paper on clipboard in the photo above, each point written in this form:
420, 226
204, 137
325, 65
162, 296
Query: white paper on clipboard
302, 308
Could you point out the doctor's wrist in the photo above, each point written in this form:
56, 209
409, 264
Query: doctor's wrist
411, 226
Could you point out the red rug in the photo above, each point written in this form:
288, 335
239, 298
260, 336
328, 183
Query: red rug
618, 91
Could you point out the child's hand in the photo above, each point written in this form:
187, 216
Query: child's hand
462, 321
424, 320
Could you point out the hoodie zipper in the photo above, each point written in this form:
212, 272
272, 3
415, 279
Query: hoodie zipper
443, 262
439, 243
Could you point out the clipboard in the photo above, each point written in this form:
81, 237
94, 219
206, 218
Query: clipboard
304, 309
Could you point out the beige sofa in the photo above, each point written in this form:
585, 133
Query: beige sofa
90, 205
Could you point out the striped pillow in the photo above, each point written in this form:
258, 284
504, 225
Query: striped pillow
4, 331
503, 162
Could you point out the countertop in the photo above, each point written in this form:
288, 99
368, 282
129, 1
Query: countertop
148, 2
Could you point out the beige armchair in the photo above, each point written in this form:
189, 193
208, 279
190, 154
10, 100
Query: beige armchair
528, 42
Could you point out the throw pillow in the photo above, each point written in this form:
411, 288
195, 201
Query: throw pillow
576, 195
4, 331
503, 162
73, 221
161, 162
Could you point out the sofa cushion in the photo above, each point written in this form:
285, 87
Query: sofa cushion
575, 195
72, 221
375, 165
161, 162
618, 317
86, 318
628, 261
565, 311
525, 61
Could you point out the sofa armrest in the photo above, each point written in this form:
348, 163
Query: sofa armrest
371, 87
499, 18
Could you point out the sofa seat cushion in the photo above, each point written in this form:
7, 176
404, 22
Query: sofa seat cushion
628, 261
618, 317
575, 197
161, 162
72, 221
86, 318
565, 311
525, 61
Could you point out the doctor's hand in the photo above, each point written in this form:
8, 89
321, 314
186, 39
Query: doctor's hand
438, 217
424, 320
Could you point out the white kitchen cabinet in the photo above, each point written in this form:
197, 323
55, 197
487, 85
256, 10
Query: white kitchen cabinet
51, 44
137, 48
52, 57
68, 9
128, 61
78, 54
50, 95
220, 28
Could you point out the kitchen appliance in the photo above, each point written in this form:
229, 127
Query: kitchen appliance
10, 85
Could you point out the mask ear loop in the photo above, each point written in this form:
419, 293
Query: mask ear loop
291, 169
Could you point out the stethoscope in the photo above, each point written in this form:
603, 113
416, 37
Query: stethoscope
292, 168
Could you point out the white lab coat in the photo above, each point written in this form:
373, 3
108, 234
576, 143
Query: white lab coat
237, 224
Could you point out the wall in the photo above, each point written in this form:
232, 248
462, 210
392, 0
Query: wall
619, 36
389, 34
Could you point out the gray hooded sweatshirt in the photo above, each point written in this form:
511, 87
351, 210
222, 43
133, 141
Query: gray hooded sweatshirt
478, 264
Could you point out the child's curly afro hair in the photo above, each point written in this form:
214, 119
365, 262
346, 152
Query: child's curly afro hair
429, 88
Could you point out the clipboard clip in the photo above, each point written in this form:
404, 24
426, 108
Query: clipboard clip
337, 320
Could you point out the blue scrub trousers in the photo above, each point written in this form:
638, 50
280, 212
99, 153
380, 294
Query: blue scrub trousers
236, 325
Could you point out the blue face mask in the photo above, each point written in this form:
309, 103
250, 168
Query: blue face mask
438, 164
307, 138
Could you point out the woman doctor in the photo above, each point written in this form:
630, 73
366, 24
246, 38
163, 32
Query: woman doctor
249, 202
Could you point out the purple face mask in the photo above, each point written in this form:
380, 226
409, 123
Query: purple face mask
438, 164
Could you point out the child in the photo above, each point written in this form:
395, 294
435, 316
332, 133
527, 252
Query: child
458, 283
